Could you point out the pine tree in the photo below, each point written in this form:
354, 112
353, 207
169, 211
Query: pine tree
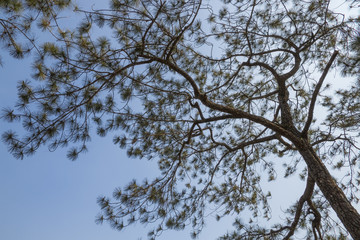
212, 94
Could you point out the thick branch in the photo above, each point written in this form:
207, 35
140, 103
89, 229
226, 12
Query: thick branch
177, 69
294, 69
266, 66
347, 213
236, 113
286, 117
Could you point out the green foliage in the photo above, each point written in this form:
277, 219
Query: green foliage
18, 17
212, 102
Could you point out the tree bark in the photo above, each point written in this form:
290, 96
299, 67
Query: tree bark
347, 214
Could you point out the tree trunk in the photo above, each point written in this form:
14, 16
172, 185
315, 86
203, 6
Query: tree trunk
347, 214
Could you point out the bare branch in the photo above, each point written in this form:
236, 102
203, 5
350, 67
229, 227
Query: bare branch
316, 93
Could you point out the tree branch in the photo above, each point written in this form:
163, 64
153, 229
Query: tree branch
316, 93
266, 66
305, 197
236, 113
316, 221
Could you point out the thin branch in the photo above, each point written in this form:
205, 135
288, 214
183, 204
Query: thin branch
243, 170
177, 39
255, 141
213, 119
196, 105
316, 93
305, 197
316, 221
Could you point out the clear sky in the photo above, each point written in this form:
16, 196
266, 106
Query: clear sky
48, 197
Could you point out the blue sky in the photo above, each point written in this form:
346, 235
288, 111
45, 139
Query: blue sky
46, 196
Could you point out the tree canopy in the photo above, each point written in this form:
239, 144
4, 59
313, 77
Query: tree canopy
219, 94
